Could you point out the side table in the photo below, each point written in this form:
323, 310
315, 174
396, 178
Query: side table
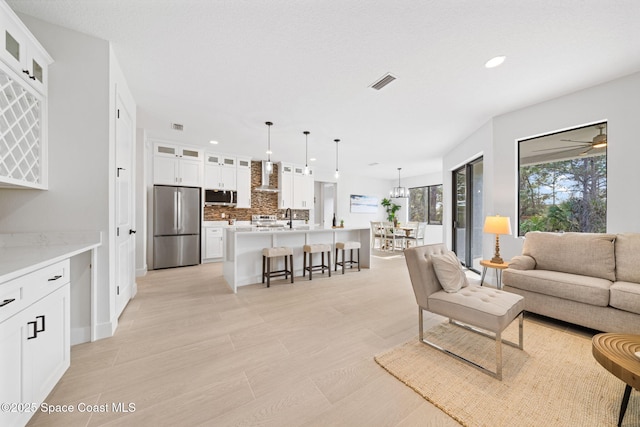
615, 352
485, 263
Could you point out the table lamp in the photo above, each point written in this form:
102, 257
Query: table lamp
497, 225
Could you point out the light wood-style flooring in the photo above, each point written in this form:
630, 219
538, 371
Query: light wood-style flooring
188, 352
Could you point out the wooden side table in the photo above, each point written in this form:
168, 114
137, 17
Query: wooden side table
485, 263
616, 353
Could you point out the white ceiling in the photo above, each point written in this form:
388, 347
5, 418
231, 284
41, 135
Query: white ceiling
223, 68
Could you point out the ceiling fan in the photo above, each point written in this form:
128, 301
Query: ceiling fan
598, 141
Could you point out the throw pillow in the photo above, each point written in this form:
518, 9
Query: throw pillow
449, 271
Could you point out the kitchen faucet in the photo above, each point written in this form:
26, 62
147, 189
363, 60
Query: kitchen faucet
287, 214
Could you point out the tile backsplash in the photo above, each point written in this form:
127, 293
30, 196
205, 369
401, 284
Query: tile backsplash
262, 203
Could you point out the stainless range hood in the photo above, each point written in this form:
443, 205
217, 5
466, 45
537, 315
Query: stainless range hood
265, 187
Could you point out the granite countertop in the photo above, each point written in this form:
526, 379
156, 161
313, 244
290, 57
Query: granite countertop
23, 253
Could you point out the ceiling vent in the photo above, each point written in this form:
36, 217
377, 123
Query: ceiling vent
383, 81
177, 126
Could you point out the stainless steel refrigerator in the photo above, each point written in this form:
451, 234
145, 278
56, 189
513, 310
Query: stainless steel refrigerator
176, 226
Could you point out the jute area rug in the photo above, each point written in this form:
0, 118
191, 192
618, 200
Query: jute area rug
555, 381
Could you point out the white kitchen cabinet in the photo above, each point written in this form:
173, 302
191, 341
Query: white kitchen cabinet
302, 188
285, 185
243, 183
23, 105
22, 52
176, 165
34, 337
220, 172
214, 242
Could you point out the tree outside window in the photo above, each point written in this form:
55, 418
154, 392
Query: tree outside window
563, 181
425, 204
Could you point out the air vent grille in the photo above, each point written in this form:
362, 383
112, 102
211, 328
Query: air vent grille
177, 126
382, 82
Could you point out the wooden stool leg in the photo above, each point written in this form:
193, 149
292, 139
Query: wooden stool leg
304, 264
269, 272
328, 262
344, 261
286, 268
358, 259
291, 265
264, 266
322, 268
310, 265
336, 262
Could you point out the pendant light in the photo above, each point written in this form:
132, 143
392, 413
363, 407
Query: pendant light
306, 152
399, 191
337, 173
268, 164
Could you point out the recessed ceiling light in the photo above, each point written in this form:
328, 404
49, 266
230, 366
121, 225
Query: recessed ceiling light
313, 159
213, 142
494, 62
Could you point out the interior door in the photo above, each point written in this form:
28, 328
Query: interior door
125, 211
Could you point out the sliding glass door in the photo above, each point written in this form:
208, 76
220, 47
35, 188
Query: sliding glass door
467, 213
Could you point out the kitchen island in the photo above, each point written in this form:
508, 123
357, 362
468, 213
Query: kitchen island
243, 254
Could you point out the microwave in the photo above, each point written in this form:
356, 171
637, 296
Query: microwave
220, 198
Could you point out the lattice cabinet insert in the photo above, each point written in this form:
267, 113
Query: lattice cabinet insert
24, 65
21, 151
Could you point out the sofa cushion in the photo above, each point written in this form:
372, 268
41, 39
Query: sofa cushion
626, 296
588, 254
589, 290
627, 250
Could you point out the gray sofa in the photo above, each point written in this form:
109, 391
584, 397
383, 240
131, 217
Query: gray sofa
589, 279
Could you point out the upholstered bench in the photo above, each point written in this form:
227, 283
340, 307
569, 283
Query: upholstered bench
268, 254
309, 250
484, 310
343, 246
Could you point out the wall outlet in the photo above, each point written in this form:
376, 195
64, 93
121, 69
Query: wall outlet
223, 215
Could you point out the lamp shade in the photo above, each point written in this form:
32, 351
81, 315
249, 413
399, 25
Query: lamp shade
497, 225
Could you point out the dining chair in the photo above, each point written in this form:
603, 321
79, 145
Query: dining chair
410, 231
377, 234
389, 237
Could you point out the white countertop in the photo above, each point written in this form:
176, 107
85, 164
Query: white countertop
23, 253
295, 229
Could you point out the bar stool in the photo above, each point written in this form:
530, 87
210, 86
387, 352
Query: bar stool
268, 254
351, 246
314, 249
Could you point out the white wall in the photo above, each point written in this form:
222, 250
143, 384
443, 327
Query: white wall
617, 102
82, 84
352, 183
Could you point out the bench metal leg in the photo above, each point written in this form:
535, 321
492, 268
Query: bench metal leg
497, 336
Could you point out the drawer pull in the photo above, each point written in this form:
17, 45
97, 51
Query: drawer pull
40, 329
7, 302
56, 277
35, 332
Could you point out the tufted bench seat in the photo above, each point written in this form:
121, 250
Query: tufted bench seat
486, 308
483, 310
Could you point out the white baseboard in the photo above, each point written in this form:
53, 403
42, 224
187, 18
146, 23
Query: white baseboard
80, 335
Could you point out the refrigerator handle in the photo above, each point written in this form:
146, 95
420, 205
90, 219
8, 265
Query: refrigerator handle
179, 210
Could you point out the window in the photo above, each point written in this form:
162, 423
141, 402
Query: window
425, 204
435, 204
562, 183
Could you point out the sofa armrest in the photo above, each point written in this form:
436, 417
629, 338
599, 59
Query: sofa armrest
522, 262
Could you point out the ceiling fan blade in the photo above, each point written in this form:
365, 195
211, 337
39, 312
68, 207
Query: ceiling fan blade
580, 142
559, 149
